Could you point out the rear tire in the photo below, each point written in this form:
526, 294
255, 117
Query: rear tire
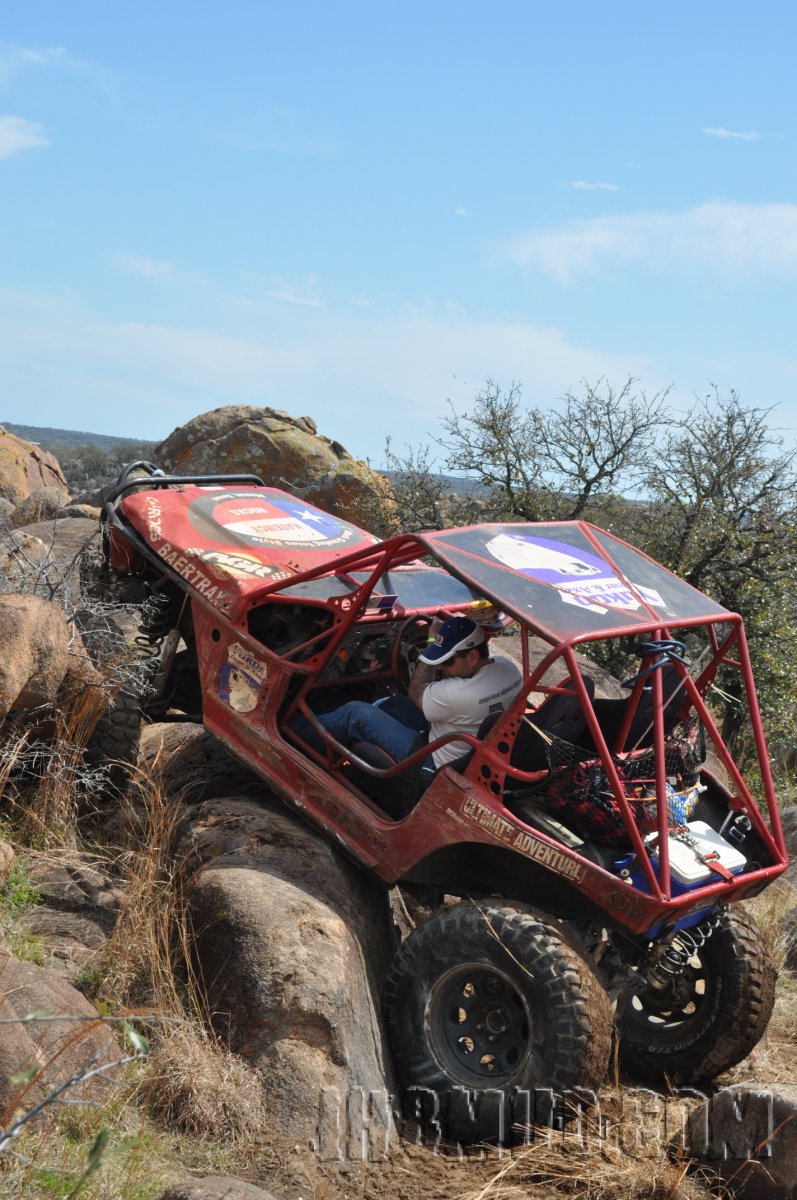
494, 1017
711, 1017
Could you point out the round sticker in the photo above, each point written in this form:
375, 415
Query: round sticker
273, 521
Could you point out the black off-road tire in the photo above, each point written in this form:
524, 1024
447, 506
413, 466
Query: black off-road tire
711, 1019
473, 973
115, 738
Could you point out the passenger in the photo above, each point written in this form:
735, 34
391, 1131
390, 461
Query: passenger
455, 685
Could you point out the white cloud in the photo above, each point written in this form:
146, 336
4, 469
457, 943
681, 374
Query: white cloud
461, 212
146, 268
18, 134
361, 378
583, 186
14, 59
293, 298
288, 293
738, 238
733, 133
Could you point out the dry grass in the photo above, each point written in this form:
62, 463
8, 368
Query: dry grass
768, 911
194, 1085
43, 773
192, 1082
151, 938
618, 1153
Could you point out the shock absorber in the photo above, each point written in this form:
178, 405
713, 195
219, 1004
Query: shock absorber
667, 960
159, 637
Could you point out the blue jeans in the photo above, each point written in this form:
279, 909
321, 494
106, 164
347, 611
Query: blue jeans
394, 725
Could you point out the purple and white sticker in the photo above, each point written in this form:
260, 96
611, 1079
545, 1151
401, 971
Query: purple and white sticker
581, 578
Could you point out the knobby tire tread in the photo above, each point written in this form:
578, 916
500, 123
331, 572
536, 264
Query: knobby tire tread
571, 1017
736, 1023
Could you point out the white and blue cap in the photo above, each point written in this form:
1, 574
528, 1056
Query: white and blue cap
455, 634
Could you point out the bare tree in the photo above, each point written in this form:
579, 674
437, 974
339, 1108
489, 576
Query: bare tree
724, 488
556, 464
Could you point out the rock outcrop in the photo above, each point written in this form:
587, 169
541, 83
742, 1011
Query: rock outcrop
25, 468
35, 638
40, 505
58, 1047
748, 1136
292, 942
285, 451
77, 910
22, 559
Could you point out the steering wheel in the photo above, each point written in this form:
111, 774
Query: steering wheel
408, 642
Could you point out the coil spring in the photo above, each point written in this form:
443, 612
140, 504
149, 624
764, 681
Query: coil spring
685, 944
154, 625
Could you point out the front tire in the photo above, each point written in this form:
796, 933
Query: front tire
494, 1016
710, 1018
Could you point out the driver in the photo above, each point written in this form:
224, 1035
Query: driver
455, 685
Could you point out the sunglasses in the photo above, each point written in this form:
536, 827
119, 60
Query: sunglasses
459, 654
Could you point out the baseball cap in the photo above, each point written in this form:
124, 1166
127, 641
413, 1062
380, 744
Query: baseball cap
456, 633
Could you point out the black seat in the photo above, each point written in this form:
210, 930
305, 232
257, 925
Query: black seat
610, 713
459, 764
397, 795
560, 716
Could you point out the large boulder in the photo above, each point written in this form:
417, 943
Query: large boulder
788, 930
292, 942
7, 859
44, 661
77, 910
788, 819
607, 686
748, 1136
67, 541
188, 763
23, 559
35, 637
285, 451
59, 1048
41, 505
25, 468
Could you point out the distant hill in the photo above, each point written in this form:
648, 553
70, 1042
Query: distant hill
46, 436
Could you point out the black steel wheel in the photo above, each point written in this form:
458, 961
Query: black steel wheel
494, 1017
710, 1017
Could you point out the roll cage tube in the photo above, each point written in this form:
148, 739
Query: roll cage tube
348, 609
157, 479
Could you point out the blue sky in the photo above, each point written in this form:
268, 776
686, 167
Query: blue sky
357, 211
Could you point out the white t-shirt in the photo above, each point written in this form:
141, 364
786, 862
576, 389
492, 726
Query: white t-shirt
462, 704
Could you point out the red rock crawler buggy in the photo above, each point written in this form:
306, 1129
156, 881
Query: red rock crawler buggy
598, 857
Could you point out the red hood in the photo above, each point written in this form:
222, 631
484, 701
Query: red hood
228, 542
